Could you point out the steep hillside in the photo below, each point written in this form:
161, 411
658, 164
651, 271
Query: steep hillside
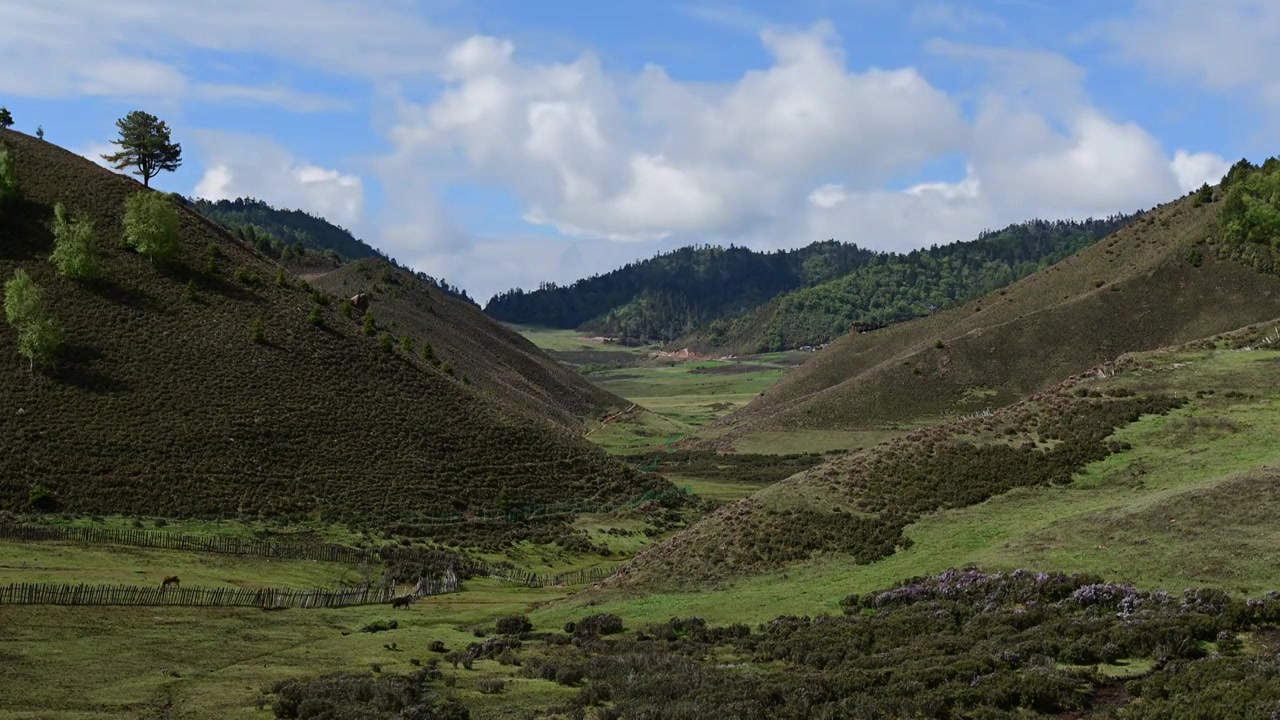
1151, 284
484, 351
168, 401
1157, 468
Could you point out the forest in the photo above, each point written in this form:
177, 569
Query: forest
765, 301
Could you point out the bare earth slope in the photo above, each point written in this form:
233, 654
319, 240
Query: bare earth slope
162, 404
489, 354
1136, 290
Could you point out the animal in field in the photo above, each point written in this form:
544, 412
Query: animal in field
171, 580
403, 601
361, 301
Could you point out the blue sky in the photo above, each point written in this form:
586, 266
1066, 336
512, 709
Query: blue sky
501, 143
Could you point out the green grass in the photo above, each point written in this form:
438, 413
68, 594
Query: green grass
569, 340
716, 489
1218, 486
66, 662
53, 562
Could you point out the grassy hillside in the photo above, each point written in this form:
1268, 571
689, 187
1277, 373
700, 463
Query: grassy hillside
1149, 285
482, 350
164, 403
1157, 469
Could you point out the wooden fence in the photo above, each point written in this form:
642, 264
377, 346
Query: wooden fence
61, 594
577, 577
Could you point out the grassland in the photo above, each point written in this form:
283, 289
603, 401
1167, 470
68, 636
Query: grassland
1188, 504
67, 662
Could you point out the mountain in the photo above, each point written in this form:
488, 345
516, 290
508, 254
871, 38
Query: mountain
216, 385
483, 350
288, 235
672, 294
893, 287
1167, 279
742, 301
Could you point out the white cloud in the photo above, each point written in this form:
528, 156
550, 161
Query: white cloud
135, 48
238, 165
1227, 46
1196, 169
828, 196
646, 156
95, 151
951, 16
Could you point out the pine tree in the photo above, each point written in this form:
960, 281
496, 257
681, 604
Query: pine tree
6, 118
369, 328
145, 146
39, 132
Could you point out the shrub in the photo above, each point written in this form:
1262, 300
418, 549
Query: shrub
369, 328
599, 624
491, 686
569, 675
257, 333
346, 308
514, 625
73, 251
40, 340
151, 225
280, 279
245, 276
437, 646
23, 299
189, 293
429, 353
316, 317
385, 342
406, 343
42, 499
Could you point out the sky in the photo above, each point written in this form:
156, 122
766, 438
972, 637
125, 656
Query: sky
504, 143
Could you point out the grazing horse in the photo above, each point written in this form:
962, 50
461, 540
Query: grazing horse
402, 601
171, 580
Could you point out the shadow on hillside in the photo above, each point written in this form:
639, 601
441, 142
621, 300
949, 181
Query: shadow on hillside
75, 368
133, 297
23, 233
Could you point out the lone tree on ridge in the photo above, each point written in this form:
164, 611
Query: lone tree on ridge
145, 146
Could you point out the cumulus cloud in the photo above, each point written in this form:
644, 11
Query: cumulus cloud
237, 165
645, 156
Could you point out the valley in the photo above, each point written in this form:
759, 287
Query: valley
1050, 495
